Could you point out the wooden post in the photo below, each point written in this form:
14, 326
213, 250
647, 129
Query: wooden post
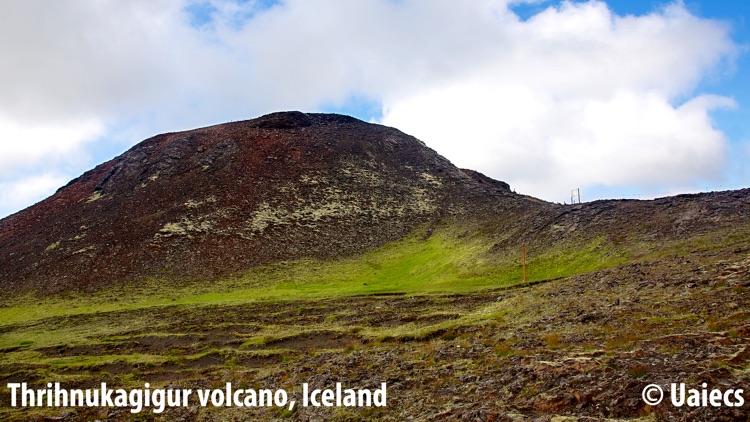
523, 260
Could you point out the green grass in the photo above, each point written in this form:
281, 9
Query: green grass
83, 362
448, 261
439, 264
563, 261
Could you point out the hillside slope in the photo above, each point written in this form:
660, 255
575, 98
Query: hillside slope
217, 200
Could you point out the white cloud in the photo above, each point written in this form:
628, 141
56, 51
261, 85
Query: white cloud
573, 96
25, 191
43, 144
583, 98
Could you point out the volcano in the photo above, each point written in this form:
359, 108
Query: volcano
213, 201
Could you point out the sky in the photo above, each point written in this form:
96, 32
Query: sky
622, 99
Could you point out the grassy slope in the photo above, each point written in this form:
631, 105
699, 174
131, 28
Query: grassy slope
439, 264
445, 262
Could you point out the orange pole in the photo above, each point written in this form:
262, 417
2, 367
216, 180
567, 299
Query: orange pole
523, 260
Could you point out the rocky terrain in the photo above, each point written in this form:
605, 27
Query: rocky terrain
582, 347
310, 248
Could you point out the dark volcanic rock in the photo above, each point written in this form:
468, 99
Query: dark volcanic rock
484, 180
221, 199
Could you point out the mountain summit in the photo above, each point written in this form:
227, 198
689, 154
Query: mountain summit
221, 199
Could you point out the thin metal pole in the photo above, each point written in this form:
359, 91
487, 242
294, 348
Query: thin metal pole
523, 260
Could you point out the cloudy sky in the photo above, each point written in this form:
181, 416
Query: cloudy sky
617, 98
